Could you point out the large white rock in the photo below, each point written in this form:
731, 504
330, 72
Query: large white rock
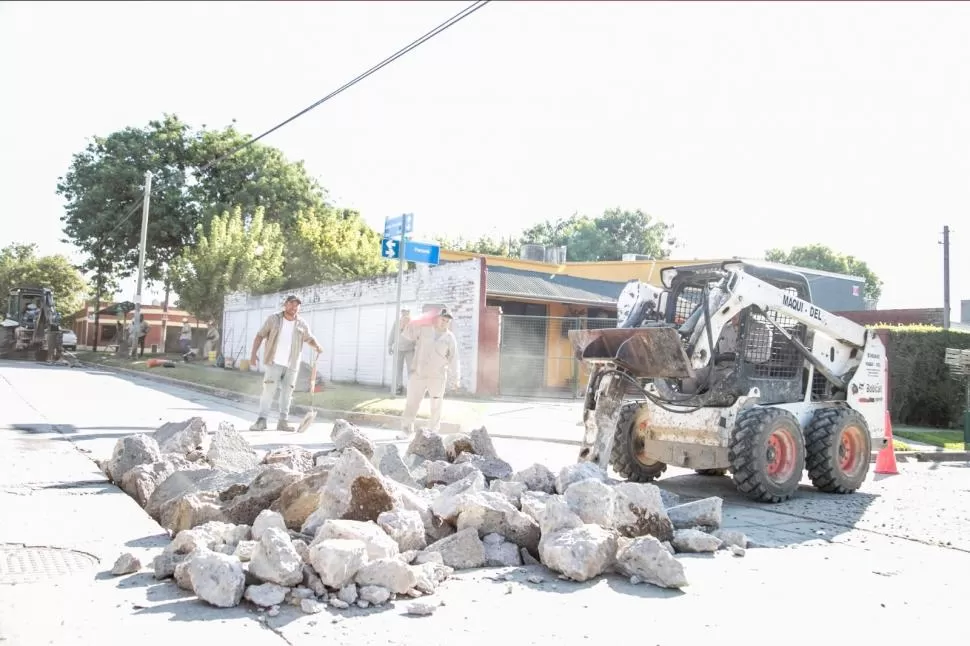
266, 595
647, 559
338, 560
275, 560
577, 472
593, 501
217, 579
537, 478
266, 519
580, 553
406, 528
379, 544
699, 513
354, 490
461, 551
694, 540
639, 511
391, 573
129, 452
557, 516
449, 504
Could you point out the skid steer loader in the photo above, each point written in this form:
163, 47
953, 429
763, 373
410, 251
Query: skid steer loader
31, 326
731, 367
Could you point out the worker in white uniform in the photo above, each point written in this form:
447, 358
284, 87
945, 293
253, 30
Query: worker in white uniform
285, 333
436, 368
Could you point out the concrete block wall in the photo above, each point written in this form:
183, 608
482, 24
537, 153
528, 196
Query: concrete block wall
353, 320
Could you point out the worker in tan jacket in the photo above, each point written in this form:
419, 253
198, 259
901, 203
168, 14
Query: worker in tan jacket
436, 368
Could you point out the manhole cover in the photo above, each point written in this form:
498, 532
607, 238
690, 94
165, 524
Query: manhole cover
21, 564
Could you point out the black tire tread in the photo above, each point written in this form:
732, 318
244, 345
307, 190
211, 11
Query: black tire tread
750, 425
621, 457
820, 439
711, 472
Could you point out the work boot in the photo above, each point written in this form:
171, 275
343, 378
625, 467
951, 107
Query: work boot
283, 425
260, 425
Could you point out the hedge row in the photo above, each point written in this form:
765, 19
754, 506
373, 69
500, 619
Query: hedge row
924, 392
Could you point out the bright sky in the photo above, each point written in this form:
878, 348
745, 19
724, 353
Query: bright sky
747, 126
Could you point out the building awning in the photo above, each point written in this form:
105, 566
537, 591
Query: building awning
504, 282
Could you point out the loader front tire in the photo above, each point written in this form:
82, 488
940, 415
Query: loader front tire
767, 454
624, 458
838, 445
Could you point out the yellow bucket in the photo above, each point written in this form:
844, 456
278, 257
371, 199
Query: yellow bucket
244, 365
212, 356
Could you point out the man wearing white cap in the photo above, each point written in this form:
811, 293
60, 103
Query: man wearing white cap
436, 368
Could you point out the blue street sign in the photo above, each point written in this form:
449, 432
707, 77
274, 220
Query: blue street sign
421, 252
389, 248
397, 225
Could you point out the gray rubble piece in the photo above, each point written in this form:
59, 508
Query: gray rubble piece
311, 606
456, 444
389, 463
580, 553
491, 468
373, 595
390, 573
533, 503
266, 595
729, 537
217, 579
694, 541
704, 513
266, 519
294, 457
354, 490
275, 560
129, 452
647, 559
338, 560
448, 504
339, 426
212, 481
593, 501
421, 608
183, 437
462, 551
126, 564
639, 511
243, 507
427, 445
511, 490
482, 443
379, 545
405, 527
351, 436
501, 553
446, 473
576, 472
537, 478
489, 513
141, 481
229, 451
301, 498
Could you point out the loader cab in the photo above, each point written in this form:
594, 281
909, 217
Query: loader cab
749, 353
29, 306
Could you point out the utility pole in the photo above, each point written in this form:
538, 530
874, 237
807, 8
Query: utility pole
136, 324
397, 312
946, 278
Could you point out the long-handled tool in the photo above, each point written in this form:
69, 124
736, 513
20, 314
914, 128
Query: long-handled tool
312, 413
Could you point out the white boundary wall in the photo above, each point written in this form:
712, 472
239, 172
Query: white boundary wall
352, 321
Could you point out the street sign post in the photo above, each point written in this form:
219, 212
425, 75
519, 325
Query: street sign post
398, 227
421, 252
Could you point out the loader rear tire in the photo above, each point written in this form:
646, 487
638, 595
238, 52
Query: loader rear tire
767, 454
623, 457
838, 444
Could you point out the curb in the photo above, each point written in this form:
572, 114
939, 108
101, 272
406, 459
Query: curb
376, 420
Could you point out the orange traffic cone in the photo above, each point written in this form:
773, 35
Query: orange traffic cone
886, 459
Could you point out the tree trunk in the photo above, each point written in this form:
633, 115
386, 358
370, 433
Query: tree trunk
97, 318
168, 291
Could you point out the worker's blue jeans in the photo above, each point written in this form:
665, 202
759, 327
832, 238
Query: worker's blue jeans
275, 375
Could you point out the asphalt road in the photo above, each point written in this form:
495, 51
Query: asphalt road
889, 563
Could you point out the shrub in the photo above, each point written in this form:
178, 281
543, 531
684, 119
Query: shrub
923, 391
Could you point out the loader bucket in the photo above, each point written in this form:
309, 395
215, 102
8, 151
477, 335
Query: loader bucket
652, 353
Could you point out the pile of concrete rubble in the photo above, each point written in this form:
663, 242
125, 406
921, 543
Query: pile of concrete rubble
360, 524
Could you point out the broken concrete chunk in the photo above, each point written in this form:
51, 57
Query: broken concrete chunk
191, 510
694, 540
457, 444
183, 437
311, 606
527, 558
266, 595
295, 458
537, 478
492, 468
577, 472
500, 553
302, 549
275, 560
730, 537
737, 551
580, 553
213, 481
348, 593
533, 504
229, 451
448, 505
338, 560
647, 559
428, 445
420, 609
129, 452
141, 481
593, 501
699, 513
390, 573
373, 595
405, 527
439, 472
489, 513
244, 551
379, 544
388, 461
558, 516
217, 579
126, 564
264, 520
461, 551
351, 436
301, 498
511, 490
639, 511
354, 491
482, 443
242, 508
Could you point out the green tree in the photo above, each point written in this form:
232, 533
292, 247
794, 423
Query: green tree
607, 237
330, 245
20, 266
817, 256
484, 245
233, 253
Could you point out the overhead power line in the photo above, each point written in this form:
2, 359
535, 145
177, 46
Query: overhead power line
455, 19
458, 17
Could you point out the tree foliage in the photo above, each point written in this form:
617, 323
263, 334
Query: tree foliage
606, 237
488, 245
329, 245
817, 256
20, 266
233, 253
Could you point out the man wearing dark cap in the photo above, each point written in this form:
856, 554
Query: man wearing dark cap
436, 368
285, 333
